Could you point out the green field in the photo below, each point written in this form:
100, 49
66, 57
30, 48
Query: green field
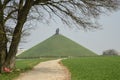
57, 46
94, 68
21, 66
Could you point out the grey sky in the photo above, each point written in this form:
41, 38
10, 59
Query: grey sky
97, 41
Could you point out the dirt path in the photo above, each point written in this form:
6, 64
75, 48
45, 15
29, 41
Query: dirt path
49, 70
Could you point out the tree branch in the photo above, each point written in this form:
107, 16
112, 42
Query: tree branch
40, 2
10, 14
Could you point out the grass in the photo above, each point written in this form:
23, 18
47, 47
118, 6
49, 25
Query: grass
21, 66
57, 45
94, 68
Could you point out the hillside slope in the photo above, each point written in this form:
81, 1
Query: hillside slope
57, 45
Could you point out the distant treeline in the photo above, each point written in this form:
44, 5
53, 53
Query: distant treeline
53, 57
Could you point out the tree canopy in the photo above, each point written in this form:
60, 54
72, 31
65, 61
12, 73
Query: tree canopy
81, 13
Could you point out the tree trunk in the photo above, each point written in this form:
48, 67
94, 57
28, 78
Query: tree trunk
3, 39
22, 17
10, 61
3, 50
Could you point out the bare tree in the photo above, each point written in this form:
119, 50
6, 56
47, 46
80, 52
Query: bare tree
110, 52
14, 14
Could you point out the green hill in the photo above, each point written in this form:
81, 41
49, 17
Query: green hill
57, 45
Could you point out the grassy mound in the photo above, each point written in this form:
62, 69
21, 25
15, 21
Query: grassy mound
57, 45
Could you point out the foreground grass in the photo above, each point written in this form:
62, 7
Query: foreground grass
21, 66
94, 68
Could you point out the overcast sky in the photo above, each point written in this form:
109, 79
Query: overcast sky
97, 41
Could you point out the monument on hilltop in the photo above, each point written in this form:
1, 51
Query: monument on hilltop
57, 31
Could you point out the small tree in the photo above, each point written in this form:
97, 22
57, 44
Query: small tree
110, 52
